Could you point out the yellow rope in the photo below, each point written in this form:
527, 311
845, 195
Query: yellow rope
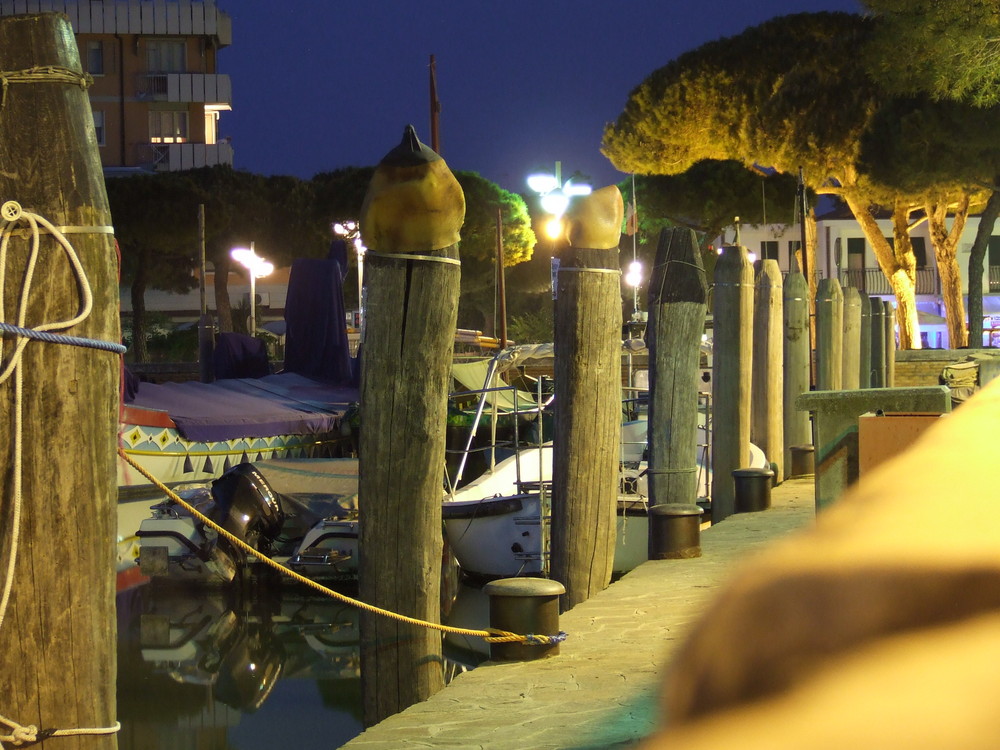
491, 635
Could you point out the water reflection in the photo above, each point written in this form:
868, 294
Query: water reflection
278, 667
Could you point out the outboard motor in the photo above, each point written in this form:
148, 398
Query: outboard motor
246, 506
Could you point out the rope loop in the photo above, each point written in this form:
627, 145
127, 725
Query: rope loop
29, 734
42, 74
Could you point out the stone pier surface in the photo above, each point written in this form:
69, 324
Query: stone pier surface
603, 689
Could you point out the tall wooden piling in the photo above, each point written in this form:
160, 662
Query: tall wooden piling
678, 296
850, 378
865, 343
829, 335
57, 631
588, 397
795, 309
731, 360
877, 320
767, 429
410, 222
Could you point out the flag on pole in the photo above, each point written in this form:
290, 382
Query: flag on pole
631, 218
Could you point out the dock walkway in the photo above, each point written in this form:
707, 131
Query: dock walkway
602, 689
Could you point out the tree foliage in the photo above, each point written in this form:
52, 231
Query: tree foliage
789, 93
952, 49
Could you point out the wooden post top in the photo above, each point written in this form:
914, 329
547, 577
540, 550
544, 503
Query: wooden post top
595, 221
414, 204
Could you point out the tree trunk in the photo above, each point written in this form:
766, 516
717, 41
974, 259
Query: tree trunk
945, 245
223, 307
897, 262
980, 245
137, 291
58, 636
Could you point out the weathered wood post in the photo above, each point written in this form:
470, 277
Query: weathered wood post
410, 220
732, 342
588, 386
890, 343
678, 297
795, 308
850, 378
877, 320
865, 343
829, 335
58, 499
767, 430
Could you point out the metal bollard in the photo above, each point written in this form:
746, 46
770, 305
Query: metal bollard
753, 489
674, 531
524, 606
803, 461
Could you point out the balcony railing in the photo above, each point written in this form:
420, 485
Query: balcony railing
174, 157
211, 88
872, 281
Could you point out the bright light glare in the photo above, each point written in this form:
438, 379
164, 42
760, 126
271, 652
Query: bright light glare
252, 262
570, 189
555, 202
752, 257
553, 227
542, 183
634, 276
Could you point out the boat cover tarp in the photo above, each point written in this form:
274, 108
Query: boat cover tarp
316, 325
237, 355
283, 404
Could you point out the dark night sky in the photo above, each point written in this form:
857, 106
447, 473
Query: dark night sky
323, 84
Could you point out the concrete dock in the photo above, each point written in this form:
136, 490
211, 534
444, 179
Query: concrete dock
602, 689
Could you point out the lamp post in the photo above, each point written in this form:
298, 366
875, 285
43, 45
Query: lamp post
257, 268
351, 232
554, 198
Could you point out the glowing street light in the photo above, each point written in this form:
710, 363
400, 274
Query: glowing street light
554, 198
351, 232
257, 268
555, 195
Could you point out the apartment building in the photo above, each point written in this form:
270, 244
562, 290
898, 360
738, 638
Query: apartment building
156, 96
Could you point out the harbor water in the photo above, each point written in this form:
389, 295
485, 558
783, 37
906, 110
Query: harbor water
273, 667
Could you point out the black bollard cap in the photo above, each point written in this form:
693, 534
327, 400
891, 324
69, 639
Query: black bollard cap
410, 152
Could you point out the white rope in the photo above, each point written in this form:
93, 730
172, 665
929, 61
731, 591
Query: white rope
10, 214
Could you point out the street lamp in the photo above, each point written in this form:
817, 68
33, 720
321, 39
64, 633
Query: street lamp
554, 198
350, 231
257, 268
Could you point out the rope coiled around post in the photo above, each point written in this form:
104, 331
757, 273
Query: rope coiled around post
10, 214
490, 635
42, 74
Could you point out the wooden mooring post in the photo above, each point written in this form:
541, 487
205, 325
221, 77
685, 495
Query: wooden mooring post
829, 335
678, 296
767, 428
588, 323
795, 311
410, 220
58, 494
732, 344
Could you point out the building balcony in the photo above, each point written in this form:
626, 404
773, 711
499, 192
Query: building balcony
208, 88
175, 157
872, 281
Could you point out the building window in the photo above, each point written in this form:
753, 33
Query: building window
165, 56
168, 126
919, 251
95, 58
99, 126
769, 250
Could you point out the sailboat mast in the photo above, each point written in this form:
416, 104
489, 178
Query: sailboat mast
435, 109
